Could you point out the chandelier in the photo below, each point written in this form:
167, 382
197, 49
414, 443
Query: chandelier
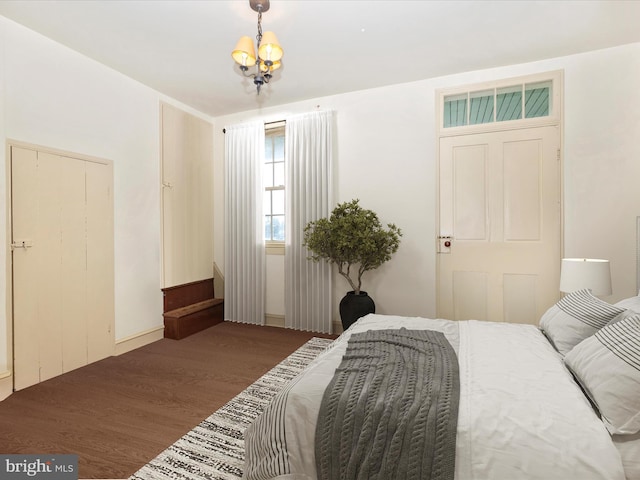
269, 50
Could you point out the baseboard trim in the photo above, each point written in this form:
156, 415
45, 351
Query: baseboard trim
138, 340
274, 320
6, 384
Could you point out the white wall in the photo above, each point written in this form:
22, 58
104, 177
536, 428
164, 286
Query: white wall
386, 158
274, 291
602, 161
57, 98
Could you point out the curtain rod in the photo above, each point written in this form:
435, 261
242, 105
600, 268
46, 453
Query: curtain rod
274, 124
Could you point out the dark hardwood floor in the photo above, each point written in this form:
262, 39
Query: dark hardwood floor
119, 413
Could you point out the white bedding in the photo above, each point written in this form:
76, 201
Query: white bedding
629, 448
521, 414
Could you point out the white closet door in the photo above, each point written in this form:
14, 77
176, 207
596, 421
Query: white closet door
187, 198
62, 237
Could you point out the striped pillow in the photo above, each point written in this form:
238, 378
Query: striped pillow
608, 367
576, 317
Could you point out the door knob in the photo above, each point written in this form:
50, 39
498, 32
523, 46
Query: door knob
444, 244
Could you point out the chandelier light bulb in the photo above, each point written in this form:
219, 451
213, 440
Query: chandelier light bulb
270, 48
244, 53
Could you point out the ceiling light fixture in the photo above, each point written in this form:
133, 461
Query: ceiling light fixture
269, 50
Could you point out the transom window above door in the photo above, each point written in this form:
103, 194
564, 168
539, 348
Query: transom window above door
498, 105
493, 105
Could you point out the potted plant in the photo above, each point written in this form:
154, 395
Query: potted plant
352, 238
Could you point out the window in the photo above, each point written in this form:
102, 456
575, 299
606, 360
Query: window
274, 185
498, 104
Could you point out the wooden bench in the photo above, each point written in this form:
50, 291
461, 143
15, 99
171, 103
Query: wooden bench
190, 308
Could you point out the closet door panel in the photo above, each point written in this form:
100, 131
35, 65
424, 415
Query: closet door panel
70, 179
48, 294
100, 264
26, 348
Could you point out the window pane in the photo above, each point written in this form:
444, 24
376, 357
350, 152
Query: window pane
268, 174
509, 103
481, 109
537, 99
455, 110
278, 148
278, 174
267, 227
277, 207
268, 149
278, 228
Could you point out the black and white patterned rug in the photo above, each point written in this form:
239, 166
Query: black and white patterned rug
214, 450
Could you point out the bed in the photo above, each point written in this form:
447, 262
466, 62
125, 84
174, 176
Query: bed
529, 404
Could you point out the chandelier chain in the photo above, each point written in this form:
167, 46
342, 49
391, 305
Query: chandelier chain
259, 35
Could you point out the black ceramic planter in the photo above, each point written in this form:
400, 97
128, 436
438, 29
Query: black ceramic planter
353, 306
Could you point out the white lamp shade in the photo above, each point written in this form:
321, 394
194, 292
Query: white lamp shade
244, 54
580, 273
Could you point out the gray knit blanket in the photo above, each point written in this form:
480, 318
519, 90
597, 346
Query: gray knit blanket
391, 410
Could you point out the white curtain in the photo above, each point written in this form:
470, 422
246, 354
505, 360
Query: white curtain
308, 151
244, 255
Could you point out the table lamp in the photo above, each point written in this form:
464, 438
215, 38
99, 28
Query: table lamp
580, 273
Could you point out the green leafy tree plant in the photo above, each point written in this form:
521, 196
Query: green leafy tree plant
354, 239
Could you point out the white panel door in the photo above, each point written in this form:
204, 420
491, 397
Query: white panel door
62, 243
500, 234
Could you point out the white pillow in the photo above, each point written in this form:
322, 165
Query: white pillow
632, 303
576, 317
608, 367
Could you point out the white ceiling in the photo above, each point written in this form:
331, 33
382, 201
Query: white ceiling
182, 48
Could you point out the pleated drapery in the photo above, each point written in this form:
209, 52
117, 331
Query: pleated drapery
244, 249
308, 159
